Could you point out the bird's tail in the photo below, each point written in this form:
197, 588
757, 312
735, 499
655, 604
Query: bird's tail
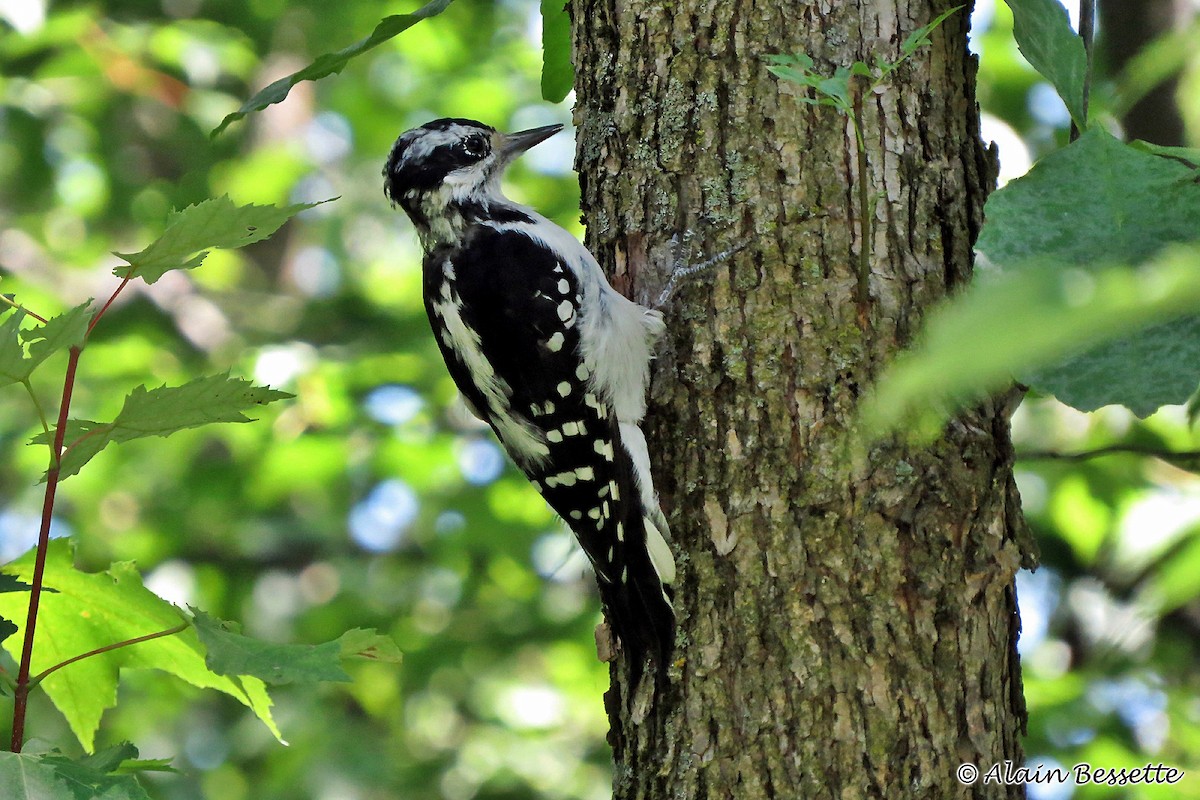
638, 600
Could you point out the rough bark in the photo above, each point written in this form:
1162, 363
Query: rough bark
847, 619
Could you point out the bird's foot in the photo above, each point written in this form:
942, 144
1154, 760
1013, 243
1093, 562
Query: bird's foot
682, 269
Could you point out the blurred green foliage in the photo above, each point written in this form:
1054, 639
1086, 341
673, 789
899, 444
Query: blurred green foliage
1111, 621
374, 499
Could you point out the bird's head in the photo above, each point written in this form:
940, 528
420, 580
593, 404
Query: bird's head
452, 167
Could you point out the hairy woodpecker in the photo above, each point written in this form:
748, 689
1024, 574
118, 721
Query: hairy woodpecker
548, 354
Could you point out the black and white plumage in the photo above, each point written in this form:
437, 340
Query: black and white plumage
548, 354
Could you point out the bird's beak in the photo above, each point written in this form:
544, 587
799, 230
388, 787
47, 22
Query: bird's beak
511, 145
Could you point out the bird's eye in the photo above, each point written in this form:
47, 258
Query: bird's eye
475, 147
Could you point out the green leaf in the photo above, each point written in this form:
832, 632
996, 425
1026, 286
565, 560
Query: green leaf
213, 224
1157, 368
10, 583
133, 766
368, 645
1044, 36
21, 351
797, 68
231, 653
108, 759
1095, 201
837, 88
1032, 316
59, 333
90, 777
832, 91
1090, 205
12, 354
93, 610
161, 412
332, 63
800, 61
1189, 155
26, 777
558, 76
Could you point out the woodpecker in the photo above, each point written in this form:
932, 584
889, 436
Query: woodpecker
546, 352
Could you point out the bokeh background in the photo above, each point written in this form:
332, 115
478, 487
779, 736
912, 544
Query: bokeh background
374, 499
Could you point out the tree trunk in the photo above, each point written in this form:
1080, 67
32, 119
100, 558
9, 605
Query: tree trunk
1127, 27
847, 622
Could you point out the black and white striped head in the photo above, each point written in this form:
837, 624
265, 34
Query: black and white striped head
451, 167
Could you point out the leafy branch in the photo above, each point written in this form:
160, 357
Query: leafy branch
189, 236
86, 610
333, 63
71, 601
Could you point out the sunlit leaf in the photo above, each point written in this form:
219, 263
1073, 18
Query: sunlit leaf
194, 231
1044, 36
331, 63
1064, 689
558, 76
368, 645
92, 610
231, 653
